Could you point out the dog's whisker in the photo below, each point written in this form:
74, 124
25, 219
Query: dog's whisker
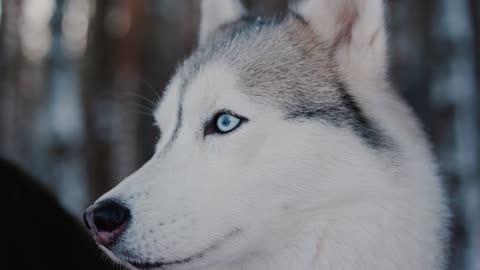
149, 86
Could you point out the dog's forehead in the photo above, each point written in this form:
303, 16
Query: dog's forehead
279, 59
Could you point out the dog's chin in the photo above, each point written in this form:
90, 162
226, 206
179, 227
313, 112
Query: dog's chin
130, 263
140, 263
114, 258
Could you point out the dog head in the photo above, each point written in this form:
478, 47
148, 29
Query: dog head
261, 131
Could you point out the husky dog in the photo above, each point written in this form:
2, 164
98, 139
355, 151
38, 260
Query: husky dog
283, 147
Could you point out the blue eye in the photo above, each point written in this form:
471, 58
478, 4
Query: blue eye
223, 122
227, 122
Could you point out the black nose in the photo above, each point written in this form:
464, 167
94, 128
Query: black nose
106, 220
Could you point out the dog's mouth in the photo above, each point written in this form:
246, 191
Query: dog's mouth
140, 264
161, 265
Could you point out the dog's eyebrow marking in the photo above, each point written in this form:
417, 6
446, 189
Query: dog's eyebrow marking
176, 130
171, 141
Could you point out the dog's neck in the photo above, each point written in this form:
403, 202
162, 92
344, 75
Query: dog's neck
368, 240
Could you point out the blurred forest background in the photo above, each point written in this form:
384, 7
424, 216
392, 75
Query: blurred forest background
78, 79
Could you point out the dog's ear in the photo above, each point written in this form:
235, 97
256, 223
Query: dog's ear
355, 29
215, 13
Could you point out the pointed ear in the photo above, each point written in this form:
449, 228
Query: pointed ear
355, 29
216, 13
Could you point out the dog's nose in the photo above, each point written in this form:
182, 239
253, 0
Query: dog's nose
106, 220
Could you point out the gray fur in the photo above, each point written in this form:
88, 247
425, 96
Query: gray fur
282, 62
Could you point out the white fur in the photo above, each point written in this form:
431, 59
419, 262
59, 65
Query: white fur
363, 55
279, 194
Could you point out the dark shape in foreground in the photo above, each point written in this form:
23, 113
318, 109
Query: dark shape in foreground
38, 233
